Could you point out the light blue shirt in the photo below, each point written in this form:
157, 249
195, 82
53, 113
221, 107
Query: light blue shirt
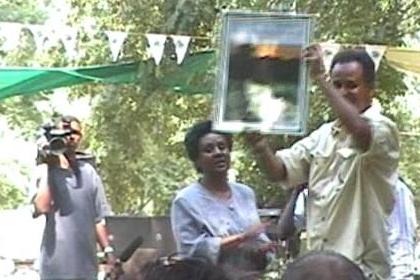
200, 220
402, 233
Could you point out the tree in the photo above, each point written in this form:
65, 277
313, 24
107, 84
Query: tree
10, 196
137, 130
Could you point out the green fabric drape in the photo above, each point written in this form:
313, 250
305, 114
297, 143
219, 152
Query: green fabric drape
25, 81
195, 75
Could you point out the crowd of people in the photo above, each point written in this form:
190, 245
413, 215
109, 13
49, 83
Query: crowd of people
358, 217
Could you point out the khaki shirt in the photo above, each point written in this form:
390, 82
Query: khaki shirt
350, 191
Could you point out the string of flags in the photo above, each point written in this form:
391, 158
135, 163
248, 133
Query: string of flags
48, 36
376, 52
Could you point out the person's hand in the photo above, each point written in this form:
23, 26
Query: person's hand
233, 241
113, 267
44, 156
313, 56
268, 247
257, 142
110, 260
255, 230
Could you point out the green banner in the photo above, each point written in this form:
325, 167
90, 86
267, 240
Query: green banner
194, 75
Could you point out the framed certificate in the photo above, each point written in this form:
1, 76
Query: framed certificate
262, 82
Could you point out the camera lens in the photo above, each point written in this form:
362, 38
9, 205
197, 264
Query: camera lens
57, 146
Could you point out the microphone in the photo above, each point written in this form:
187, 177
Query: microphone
131, 248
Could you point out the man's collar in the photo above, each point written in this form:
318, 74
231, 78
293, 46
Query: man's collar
337, 126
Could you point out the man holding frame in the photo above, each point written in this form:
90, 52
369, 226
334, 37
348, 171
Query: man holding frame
350, 165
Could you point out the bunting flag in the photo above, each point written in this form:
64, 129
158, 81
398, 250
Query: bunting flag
10, 32
50, 34
89, 27
329, 50
52, 38
156, 46
58, 10
39, 33
287, 6
181, 46
68, 36
116, 40
376, 53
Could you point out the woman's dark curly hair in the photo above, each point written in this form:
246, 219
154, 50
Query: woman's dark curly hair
195, 133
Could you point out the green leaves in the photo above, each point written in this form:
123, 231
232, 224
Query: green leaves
137, 129
10, 196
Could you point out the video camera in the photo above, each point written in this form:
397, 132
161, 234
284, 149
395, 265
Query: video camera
52, 141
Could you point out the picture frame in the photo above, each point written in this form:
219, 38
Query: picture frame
262, 81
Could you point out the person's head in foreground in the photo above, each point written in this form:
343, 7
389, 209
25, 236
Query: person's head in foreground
353, 75
173, 268
323, 265
208, 150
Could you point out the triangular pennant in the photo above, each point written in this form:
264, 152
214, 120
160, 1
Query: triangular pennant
329, 50
287, 6
38, 33
376, 53
116, 40
68, 36
52, 39
181, 45
10, 32
156, 46
58, 11
89, 27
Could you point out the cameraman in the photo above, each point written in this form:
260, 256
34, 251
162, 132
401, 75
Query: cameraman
71, 196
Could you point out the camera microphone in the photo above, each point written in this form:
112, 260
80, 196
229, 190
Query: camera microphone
131, 248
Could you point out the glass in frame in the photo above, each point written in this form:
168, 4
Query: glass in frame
262, 82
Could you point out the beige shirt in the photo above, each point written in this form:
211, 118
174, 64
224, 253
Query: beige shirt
350, 191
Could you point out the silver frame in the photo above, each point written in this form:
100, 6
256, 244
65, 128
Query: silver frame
255, 30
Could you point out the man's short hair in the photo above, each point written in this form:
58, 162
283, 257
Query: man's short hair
69, 119
195, 133
360, 56
323, 265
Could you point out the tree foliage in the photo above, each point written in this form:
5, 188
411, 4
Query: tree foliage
10, 196
137, 130
140, 127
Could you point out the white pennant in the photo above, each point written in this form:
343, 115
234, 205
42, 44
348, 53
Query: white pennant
156, 46
51, 37
116, 40
89, 26
68, 36
10, 32
181, 45
39, 35
329, 50
376, 53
